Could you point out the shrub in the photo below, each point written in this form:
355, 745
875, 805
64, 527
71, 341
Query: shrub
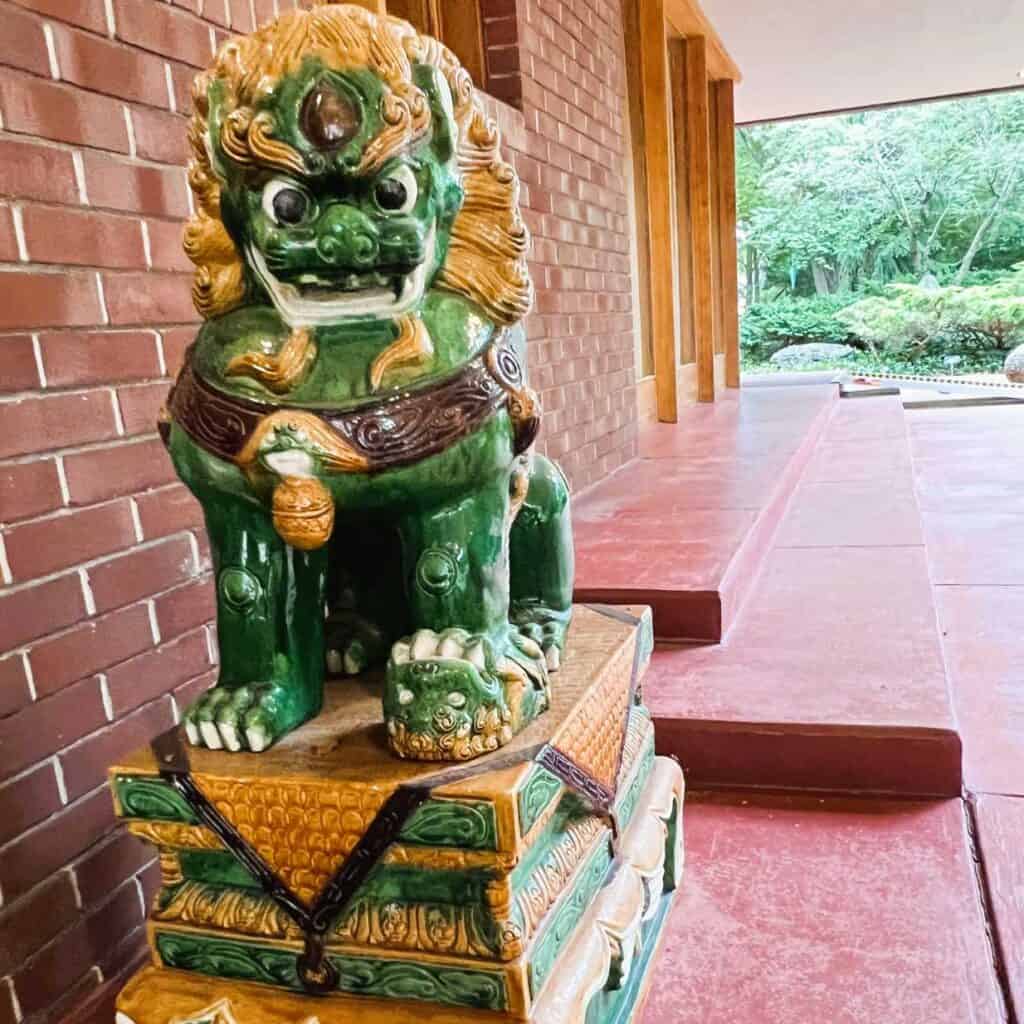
905, 317
911, 320
768, 326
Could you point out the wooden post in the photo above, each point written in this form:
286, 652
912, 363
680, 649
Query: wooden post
660, 207
725, 181
684, 276
699, 183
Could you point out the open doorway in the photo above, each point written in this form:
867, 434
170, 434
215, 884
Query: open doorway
884, 241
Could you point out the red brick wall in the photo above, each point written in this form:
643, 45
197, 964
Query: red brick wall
570, 146
105, 599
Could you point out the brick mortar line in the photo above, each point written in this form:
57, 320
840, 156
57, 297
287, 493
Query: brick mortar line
8, 134
106, 34
86, 910
139, 708
31, 203
53, 758
105, 727
24, 651
41, 824
121, 153
61, 269
104, 329
112, 34
18, 397
53, 56
28, 458
11, 589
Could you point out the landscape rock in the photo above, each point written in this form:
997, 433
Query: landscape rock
813, 353
1014, 365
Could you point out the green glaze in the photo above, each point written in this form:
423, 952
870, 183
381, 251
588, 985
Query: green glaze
151, 799
539, 789
570, 809
464, 824
562, 919
227, 958
407, 884
217, 867
389, 979
458, 329
425, 552
627, 800
616, 1002
386, 883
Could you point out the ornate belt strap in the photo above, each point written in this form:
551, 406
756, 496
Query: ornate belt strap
396, 431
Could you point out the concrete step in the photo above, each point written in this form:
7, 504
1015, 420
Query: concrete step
833, 677
686, 527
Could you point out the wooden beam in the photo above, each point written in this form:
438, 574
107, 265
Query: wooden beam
658, 150
684, 276
687, 18
638, 207
725, 182
698, 173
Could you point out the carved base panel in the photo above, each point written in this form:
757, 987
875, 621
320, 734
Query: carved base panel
597, 977
527, 886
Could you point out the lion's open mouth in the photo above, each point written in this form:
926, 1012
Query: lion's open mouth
322, 299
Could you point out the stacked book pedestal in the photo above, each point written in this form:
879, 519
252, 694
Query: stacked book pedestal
345, 885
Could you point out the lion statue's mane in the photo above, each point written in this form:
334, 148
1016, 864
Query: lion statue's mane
486, 257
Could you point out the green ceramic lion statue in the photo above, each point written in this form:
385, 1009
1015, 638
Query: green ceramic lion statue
354, 416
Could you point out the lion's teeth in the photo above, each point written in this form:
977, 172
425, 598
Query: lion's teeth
424, 644
475, 656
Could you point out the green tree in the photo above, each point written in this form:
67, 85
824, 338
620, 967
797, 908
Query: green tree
838, 204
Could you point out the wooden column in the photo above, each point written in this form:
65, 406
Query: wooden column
699, 184
725, 180
658, 149
684, 271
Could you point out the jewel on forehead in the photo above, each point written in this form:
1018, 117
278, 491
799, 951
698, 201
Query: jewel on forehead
329, 117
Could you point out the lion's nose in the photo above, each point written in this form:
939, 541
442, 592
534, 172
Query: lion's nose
347, 238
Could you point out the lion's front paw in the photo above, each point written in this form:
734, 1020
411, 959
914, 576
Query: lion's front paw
518, 658
244, 717
454, 695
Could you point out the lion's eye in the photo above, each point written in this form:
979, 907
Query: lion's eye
397, 192
283, 203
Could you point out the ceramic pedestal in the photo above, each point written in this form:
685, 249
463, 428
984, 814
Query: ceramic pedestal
531, 884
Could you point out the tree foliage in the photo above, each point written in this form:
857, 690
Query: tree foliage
839, 204
910, 319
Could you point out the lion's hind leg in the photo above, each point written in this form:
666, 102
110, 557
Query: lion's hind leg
541, 561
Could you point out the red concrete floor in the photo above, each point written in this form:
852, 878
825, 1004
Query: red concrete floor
969, 465
806, 911
683, 527
883, 629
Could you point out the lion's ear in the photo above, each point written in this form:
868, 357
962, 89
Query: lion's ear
442, 111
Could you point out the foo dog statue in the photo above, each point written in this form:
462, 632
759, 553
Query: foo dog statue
354, 415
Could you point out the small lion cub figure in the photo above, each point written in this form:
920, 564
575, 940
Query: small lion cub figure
354, 415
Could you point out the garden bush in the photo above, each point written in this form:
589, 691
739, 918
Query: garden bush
792, 320
911, 320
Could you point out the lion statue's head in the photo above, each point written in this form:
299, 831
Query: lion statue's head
343, 166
